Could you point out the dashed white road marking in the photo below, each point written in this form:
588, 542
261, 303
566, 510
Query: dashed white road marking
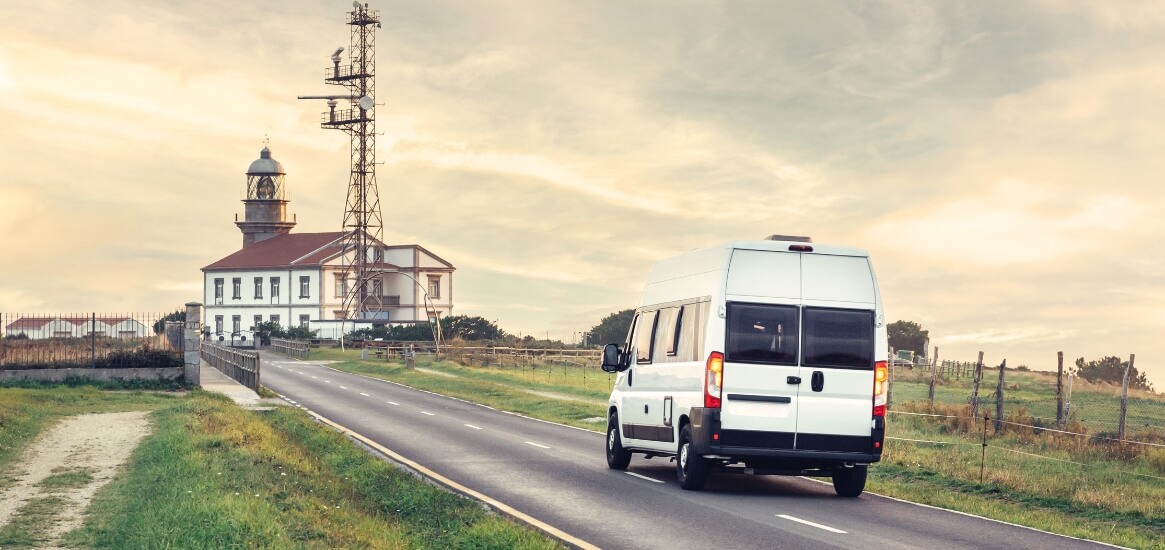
472, 426
315, 378
393, 404
343, 387
633, 474
328, 381
537, 445
811, 524
428, 413
365, 395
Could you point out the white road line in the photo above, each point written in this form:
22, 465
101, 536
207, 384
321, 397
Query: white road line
328, 381
315, 378
472, 426
365, 395
393, 404
343, 387
633, 474
811, 524
428, 413
537, 445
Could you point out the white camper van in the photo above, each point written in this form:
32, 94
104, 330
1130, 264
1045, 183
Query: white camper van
757, 357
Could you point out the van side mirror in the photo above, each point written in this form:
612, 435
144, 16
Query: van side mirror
612, 358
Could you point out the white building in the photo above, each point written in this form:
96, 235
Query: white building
76, 327
296, 279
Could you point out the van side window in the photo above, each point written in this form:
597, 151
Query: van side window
665, 326
673, 341
761, 334
839, 338
645, 336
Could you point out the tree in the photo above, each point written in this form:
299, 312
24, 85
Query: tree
160, 324
1112, 370
613, 328
470, 328
908, 335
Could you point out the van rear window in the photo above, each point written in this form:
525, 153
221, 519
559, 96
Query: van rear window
761, 334
838, 338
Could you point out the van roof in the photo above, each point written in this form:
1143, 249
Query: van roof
783, 246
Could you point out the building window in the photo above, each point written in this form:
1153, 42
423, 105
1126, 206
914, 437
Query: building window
237, 323
303, 320
275, 320
218, 324
377, 287
341, 285
237, 286
258, 321
218, 291
377, 255
435, 287
258, 288
305, 287
275, 288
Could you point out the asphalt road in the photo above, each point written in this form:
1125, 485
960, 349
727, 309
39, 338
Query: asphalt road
558, 475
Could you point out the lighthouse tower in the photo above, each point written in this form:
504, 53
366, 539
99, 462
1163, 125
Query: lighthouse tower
265, 213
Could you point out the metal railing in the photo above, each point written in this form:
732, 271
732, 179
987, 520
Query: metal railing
291, 348
242, 366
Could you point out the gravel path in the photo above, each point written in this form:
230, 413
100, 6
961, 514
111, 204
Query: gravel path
89, 447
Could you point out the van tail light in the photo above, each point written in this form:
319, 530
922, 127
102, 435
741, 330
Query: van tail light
714, 379
881, 388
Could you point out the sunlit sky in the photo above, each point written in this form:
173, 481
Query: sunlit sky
1001, 161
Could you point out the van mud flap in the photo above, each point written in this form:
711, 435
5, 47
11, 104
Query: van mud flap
705, 427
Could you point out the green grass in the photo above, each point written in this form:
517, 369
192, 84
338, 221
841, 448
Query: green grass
29, 526
63, 479
215, 476
1103, 500
509, 389
212, 475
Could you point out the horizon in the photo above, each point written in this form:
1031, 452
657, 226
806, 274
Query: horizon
999, 163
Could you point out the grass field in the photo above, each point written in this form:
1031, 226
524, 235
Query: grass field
213, 475
1075, 488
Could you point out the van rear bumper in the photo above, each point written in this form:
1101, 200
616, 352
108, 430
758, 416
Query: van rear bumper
709, 439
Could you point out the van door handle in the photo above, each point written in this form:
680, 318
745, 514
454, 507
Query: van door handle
818, 380
793, 380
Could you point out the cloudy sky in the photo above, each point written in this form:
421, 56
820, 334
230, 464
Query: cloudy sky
999, 160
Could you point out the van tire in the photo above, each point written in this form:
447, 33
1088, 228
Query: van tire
691, 468
850, 482
617, 457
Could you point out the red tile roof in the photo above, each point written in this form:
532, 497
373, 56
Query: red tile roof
292, 249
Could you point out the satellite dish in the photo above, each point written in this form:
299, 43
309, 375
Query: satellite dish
366, 103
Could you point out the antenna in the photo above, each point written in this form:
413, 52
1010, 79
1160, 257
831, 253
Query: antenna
362, 220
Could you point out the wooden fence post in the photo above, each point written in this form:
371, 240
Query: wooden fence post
975, 387
999, 398
1059, 390
1125, 397
933, 372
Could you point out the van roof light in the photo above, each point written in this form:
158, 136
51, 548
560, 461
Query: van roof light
793, 238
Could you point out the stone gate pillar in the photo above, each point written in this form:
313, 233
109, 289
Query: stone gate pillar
193, 343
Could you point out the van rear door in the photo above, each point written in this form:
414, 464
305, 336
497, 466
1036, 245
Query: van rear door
761, 379
837, 353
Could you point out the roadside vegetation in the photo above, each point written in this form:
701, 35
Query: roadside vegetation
213, 475
1109, 493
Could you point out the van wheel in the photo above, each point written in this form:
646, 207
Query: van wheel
691, 468
617, 457
850, 482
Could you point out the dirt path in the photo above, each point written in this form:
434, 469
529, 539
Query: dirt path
62, 470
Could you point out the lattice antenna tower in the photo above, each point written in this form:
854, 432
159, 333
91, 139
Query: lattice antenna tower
363, 225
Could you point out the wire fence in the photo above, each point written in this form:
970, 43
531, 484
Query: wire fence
1050, 399
118, 340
